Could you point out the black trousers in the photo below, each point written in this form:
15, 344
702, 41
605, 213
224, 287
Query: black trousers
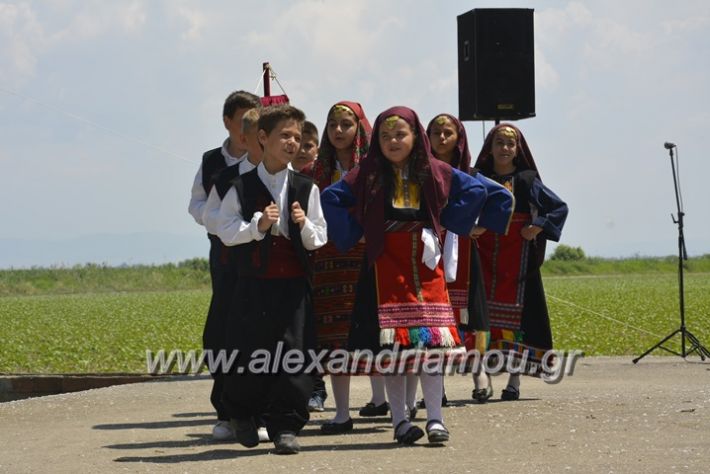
270, 316
223, 277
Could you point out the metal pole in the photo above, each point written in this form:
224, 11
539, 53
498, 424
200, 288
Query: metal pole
267, 79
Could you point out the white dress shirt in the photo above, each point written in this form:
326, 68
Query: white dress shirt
198, 198
210, 211
234, 230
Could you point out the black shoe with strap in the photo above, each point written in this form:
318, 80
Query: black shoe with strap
481, 395
408, 436
370, 409
510, 394
444, 402
436, 435
331, 427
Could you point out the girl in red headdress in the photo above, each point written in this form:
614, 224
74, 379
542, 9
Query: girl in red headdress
467, 292
345, 141
520, 324
399, 199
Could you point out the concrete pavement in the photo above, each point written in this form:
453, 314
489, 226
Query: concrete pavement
610, 416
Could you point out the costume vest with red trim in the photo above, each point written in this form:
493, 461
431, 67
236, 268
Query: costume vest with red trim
273, 256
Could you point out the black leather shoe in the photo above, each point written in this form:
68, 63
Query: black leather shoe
332, 427
438, 435
444, 402
408, 436
481, 395
370, 409
286, 443
510, 394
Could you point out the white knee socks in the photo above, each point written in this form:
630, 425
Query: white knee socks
432, 386
514, 381
377, 383
412, 380
480, 380
395, 385
341, 394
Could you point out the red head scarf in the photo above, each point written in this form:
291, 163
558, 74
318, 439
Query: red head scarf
523, 158
367, 181
462, 159
322, 168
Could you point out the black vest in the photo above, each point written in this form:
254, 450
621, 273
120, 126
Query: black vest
253, 197
223, 181
212, 163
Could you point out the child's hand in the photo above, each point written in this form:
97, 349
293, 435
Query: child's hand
530, 232
297, 214
477, 232
269, 217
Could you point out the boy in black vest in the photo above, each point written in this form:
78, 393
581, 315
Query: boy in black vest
214, 337
213, 161
274, 218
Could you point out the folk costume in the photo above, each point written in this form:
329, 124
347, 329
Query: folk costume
467, 291
401, 297
511, 265
271, 308
214, 334
213, 162
335, 272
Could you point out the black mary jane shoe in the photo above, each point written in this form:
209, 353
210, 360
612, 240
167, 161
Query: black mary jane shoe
332, 428
371, 410
444, 402
510, 394
410, 436
436, 435
481, 395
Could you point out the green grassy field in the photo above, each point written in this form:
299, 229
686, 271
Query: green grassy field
104, 330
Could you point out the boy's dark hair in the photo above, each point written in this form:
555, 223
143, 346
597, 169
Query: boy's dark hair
272, 115
310, 129
239, 100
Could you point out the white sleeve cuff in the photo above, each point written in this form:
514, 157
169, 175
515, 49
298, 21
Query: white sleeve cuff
254, 226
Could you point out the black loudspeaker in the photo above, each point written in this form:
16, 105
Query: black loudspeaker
496, 64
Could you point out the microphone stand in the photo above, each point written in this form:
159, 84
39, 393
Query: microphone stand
695, 345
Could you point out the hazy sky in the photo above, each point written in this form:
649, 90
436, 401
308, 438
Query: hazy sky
106, 107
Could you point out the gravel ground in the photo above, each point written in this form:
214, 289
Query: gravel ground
610, 416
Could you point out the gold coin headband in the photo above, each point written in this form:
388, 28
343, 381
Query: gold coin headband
340, 110
508, 132
442, 119
391, 121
